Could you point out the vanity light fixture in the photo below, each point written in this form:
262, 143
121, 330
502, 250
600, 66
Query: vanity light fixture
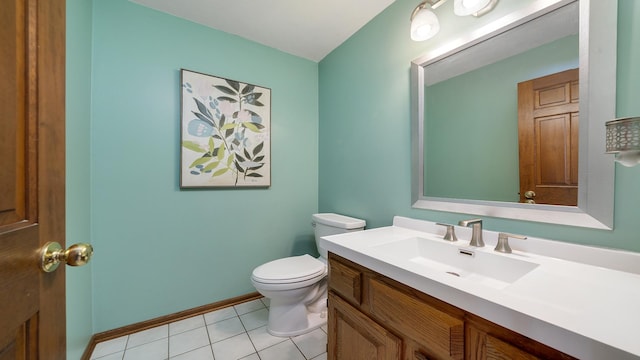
473, 7
425, 24
623, 140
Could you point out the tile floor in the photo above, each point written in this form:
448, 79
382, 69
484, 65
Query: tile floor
237, 332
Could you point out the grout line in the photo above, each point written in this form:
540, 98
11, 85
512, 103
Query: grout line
210, 342
206, 328
247, 332
168, 341
126, 344
298, 347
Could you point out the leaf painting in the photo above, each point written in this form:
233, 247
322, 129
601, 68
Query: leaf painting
225, 127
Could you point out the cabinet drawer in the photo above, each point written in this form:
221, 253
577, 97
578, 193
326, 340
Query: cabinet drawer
488, 341
438, 331
345, 280
498, 349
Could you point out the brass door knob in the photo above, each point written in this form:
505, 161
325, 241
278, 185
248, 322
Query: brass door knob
529, 196
52, 254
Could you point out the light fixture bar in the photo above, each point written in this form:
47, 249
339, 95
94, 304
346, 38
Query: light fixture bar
425, 24
436, 3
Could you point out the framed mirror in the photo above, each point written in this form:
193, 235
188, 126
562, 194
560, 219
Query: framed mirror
584, 31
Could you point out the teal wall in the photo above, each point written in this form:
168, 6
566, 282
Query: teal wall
481, 112
78, 163
160, 249
365, 146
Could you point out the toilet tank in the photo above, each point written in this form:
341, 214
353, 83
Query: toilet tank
326, 224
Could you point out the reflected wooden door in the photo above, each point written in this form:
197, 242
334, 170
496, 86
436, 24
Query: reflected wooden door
548, 139
32, 190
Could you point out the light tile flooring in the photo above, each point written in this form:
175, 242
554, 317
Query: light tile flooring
236, 332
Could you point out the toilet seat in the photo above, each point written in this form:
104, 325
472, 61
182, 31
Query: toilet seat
289, 270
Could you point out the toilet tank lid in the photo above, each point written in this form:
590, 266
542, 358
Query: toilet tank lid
338, 221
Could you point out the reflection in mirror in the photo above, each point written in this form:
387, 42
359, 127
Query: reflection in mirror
480, 109
466, 109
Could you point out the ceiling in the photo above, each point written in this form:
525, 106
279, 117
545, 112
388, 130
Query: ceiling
310, 29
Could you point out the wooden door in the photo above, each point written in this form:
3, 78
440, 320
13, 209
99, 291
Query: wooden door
32, 190
548, 138
353, 336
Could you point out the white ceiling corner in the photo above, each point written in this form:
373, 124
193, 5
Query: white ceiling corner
309, 29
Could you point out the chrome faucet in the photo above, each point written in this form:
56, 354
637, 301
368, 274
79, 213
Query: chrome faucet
476, 231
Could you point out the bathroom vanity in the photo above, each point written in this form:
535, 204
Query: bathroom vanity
375, 317
402, 292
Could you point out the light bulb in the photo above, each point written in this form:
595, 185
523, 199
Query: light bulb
424, 25
422, 31
469, 7
470, 3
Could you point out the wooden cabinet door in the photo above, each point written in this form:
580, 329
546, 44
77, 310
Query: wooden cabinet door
353, 336
32, 188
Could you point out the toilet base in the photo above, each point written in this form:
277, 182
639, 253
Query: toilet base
296, 311
315, 321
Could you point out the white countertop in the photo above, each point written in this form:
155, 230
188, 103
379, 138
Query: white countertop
584, 301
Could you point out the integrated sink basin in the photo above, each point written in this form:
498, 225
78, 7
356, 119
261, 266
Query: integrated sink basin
481, 267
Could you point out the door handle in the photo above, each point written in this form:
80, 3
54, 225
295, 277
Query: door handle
52, 254
529, 196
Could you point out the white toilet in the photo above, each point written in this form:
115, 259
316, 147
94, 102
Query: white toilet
297, 286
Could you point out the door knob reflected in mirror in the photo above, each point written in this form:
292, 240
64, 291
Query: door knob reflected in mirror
52, 254
529, 196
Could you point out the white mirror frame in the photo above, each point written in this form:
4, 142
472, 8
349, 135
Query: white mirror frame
598, 47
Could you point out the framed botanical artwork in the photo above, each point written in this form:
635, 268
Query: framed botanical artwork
225, 133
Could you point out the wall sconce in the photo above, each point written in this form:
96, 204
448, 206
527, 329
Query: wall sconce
425, 24
623, 140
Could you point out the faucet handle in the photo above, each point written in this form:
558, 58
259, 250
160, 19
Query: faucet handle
503, 242
451, 234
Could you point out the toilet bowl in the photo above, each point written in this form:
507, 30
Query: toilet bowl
297, 286
296, 282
